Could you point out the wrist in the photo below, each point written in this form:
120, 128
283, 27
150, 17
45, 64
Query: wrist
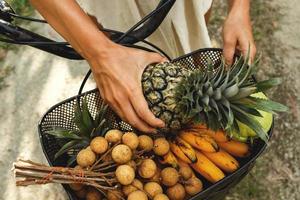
96, 46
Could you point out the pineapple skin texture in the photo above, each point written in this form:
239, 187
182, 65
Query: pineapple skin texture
159, 82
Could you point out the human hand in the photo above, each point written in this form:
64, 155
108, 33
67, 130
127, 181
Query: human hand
237, 33
117, 72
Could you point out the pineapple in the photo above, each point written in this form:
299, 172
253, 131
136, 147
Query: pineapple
87, 128
215, 96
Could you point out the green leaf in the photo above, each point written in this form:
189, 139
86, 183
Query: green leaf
231, 91
251, 123
217, 94
100, 115
224, 83
78, 121
243, 92
267, 84
264, 104
214, 105
212, 123
221, 75
228, 112
245, 74
64, 134
251, 111
216, 75
86, 116
66, 147
224, 120
71, 160
205, 100
237, 69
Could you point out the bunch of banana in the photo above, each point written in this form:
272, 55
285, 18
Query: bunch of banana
209, 153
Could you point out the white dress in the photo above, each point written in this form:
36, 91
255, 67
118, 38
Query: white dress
183, 30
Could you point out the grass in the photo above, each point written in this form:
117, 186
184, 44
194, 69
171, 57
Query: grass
21, 7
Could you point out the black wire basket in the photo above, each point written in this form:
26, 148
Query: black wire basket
61, 115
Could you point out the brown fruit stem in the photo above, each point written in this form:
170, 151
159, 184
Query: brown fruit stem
105, 167
35, 174
96, 164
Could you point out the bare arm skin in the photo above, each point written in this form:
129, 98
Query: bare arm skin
116, 69
237, 30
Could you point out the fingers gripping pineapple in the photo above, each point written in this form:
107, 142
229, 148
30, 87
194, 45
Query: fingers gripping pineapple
217, 97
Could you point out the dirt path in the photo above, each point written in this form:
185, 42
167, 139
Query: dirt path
277, 174
39, 81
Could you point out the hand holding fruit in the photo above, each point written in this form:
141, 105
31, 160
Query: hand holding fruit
117, 72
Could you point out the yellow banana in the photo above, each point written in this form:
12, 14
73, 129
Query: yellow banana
223, 160
187, 149
179, 153
201, 142
218, 136
207, 168
182, 163
235, 148
170, 159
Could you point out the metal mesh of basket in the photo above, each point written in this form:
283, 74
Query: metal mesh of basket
61, 115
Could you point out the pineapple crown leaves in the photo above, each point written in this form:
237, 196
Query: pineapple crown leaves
222, 98
87, 128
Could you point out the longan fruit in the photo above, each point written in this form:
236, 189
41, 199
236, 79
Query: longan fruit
169, 176
193, 186
85, 158
153, 188
161, 146
125, 174
161, 197
147, 168
135, 185
93, 194
81, 193
132, 164
185, 172
114, 195
145, 143
88, 148
99, 145
121, 154
76, 186
131, 140
176, 192
137, 195
156, 178
113, 136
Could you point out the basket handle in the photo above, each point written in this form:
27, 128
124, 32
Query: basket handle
16, 35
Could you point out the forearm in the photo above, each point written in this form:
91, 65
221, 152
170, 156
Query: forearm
69, 20
239, 5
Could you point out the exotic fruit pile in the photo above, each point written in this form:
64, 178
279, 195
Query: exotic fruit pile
219, 97
212, 118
